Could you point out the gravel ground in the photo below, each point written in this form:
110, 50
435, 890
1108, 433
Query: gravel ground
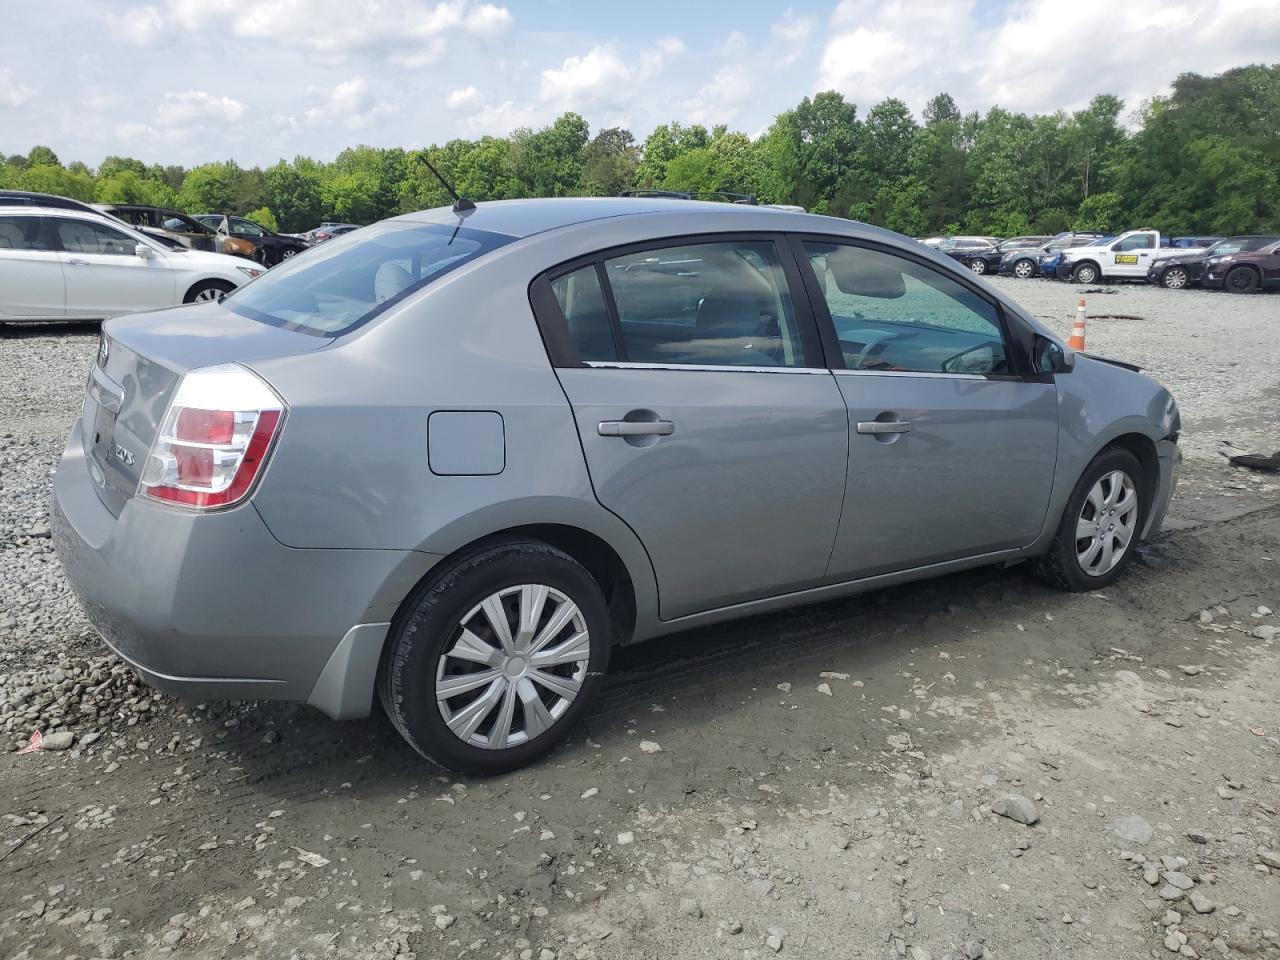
971, 767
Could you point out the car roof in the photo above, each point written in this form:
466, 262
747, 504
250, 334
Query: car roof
524, 218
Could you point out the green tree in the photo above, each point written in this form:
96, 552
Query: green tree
209, 188
548, 162
295, 192
662, 146
126, 186
48, 178
42, 156
609, 163
264, 218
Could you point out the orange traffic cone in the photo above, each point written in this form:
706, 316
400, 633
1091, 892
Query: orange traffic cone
1077, 329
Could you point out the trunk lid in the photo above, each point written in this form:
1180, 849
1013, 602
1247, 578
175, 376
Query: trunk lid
139, 362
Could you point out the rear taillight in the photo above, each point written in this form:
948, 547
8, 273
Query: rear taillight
214, 440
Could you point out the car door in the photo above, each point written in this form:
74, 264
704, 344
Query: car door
708, 421
1131, 256
31, 283
951, 449
104, 274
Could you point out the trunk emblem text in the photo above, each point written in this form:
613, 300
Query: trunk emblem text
123, 455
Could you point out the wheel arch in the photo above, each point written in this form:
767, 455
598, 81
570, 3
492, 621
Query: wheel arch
1076, 265
1144, 449
205, 281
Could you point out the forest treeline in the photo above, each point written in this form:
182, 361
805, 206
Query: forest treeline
1204, 159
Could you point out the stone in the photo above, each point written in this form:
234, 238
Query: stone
1201, 903
690, 908
1191, 669
1270, 858
444, 921
1151, 875
1171, 893
1016, 807
648, 746
58, 741
1176, 878
1266, 632
824, 689
920, 953
1132, 828
625, 837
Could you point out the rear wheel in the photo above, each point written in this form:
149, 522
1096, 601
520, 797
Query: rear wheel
1085, 273
978, 266
208, 291
1241, 280
1175, 278
493, 660
1100, 525
1023, 269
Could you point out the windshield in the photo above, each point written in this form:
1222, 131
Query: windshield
334, 288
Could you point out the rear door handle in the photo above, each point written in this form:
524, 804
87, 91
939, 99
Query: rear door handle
635, 428
884, 426
76, 262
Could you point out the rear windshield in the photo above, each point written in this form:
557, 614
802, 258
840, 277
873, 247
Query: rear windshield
334, 288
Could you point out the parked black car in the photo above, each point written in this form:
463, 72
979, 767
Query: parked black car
271, 247
166, 222
968, 250
1179, 270
989, 260
1025, 263
1245, 272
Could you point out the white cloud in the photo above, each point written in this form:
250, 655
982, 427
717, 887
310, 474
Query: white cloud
408, 32
195, 106
139, 25
13, 93
350, 103
601, 78
1035, 58
462, 97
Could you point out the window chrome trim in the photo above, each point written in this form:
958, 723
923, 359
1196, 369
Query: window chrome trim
705, 367
927, 374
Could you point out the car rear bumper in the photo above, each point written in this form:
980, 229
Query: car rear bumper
211, 606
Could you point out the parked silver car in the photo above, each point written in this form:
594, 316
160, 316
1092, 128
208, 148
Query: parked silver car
455, 459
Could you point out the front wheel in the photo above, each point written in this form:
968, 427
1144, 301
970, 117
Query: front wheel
1085, 273
492, 661
1175, 278
1023, 269
1241, 280
208, 291
978, 266
1100, 525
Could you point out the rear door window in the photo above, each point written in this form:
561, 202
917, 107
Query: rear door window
82, 236
22, 233
582, 302
715, 304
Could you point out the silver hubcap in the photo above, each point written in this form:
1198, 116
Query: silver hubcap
1106, 523
288, 253
1086, 274
978, 266
1175, 279
209, 293
514, 665
1022, 269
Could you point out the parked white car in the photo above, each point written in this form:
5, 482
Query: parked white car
1128, 256
67, 265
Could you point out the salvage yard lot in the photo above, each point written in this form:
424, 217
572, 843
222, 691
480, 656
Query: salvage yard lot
817, 783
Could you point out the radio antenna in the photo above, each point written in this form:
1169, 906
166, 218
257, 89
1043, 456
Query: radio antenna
461, 204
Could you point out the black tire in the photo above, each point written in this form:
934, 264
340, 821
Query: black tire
1024, 269
1060, 566
1241, 280
433, 616
978, 266
1175, 278
1085, 273
208, 290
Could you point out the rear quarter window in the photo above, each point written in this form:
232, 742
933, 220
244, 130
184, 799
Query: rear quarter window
334, 288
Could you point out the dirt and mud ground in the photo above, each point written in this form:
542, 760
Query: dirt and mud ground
818, 783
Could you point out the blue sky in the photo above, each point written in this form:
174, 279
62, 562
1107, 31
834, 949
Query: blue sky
181, 81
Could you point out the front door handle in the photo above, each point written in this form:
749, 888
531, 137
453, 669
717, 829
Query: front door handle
635, 428
76, 262
884, 426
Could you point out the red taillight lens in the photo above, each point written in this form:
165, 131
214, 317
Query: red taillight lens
214, 439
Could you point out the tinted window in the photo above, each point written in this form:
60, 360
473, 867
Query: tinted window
1139, 241
894, 314
246, 228
721, 304
82, 236
583, 305
21, 233
345, 282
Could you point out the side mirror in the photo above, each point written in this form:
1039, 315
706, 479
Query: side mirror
144, 251
1052, 357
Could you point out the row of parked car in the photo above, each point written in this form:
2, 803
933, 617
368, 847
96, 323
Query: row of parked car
1242, 264
61, 259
